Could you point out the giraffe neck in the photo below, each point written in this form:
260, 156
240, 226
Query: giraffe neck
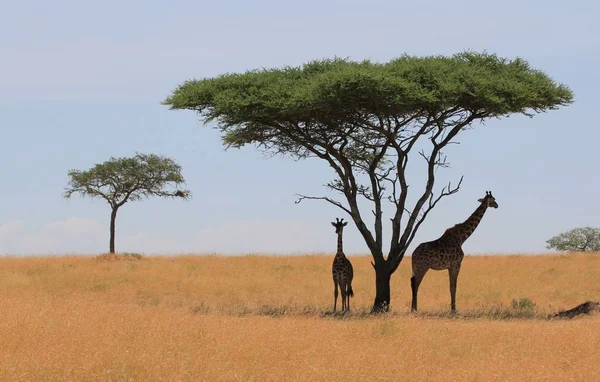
340, 246
469, 225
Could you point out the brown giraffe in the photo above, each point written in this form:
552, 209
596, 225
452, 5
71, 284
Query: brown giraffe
446, 252
341, 270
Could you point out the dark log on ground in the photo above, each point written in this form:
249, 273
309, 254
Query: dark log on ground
585, 308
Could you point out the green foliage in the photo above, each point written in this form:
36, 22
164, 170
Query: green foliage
120, 180
335, 92
578, 239
523, 304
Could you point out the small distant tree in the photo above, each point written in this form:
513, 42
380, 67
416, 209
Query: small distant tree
578, 239
120, 180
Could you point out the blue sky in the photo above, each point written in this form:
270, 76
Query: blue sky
81, 82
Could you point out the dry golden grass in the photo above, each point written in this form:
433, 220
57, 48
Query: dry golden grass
264, 318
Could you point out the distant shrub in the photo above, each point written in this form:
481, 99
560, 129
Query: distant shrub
523, 304
131, 256
121, 256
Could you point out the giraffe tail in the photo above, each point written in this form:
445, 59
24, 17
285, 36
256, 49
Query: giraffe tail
350, 291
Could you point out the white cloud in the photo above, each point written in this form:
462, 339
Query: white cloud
11, 228
73, 235
74, 226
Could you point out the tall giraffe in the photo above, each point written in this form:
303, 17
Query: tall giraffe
446, 252
341, 270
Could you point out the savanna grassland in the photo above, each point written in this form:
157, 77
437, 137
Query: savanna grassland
266, 318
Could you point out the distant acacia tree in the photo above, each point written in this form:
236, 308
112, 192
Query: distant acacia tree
120, 180
578, 239
365, 120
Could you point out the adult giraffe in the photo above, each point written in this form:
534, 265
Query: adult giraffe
446, 252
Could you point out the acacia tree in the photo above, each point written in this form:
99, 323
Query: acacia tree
365, 120
578, 239
120, 180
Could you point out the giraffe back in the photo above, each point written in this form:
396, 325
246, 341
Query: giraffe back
443, 253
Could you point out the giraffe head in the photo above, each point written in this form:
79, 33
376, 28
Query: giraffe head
339, 225
489, 199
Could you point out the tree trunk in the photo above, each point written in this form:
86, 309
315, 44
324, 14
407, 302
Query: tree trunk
113, 217
382, 288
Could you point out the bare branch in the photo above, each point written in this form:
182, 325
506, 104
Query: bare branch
329, 200
377, 190
433, 162
446, 191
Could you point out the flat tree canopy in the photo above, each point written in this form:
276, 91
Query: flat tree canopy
120, 180
364, 118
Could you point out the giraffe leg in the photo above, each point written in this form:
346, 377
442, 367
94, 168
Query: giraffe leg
453, 273
343, 290
415, 281
335, 294
349, 288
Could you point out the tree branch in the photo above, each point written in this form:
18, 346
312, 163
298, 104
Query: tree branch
446, 191
329, 200
431, 175
377, 191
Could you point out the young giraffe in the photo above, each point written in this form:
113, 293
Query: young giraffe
341, 270
446, 252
